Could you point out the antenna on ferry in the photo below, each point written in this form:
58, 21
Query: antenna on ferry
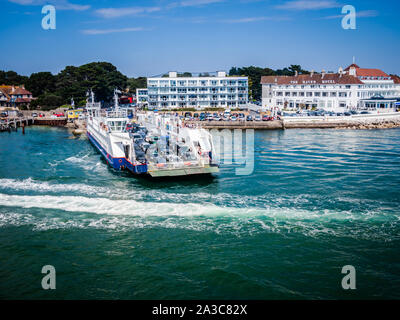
116, 92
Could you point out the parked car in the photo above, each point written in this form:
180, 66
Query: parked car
34, 115
129, 127
257, 118
265, 118
249, 118
233, 118
365, 112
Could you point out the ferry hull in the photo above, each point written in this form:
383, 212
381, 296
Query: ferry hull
118, 163
183, 172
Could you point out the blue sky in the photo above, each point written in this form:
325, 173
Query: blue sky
155, 36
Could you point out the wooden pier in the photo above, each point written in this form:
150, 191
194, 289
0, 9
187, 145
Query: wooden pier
12, 124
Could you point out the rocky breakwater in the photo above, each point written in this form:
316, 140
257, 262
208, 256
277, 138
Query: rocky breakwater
77, 127
373, 124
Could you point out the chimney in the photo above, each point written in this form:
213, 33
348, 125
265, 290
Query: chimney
172, 74
312, 73
340, 72
12, 89
296, 73
323, 72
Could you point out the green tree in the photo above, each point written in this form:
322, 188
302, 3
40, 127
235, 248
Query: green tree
41, 82
254, 74
136, 83
12, 78
185, 75
101, 77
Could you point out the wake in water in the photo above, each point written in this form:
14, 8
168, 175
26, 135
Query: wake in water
53, 206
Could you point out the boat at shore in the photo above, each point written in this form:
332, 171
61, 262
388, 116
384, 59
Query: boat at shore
149, 144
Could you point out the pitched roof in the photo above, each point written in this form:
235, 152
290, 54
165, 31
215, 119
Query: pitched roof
395, 78
23, 100
352, 66
361, 72
3, 91
329, 78
19, 90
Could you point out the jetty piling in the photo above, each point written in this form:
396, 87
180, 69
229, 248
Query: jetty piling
14, 123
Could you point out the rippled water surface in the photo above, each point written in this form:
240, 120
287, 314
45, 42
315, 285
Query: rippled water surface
316, 201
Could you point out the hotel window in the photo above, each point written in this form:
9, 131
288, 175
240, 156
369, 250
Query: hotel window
324, 94
333, 94
153, 83
309, 94
301, 94
317, 94
287, 94
164, 83
294, 94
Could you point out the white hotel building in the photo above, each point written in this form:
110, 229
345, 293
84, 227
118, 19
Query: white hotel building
352, 88
197, 92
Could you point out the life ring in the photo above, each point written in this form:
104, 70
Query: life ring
120, 160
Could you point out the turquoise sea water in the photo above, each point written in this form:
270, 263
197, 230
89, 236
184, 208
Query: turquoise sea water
318, 200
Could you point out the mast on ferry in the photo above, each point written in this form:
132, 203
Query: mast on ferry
116, 104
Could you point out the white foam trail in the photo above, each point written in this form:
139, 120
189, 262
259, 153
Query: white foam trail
43, 186
118, 207
107, 206
131, 214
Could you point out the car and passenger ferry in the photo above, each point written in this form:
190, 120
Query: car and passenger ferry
149, 143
